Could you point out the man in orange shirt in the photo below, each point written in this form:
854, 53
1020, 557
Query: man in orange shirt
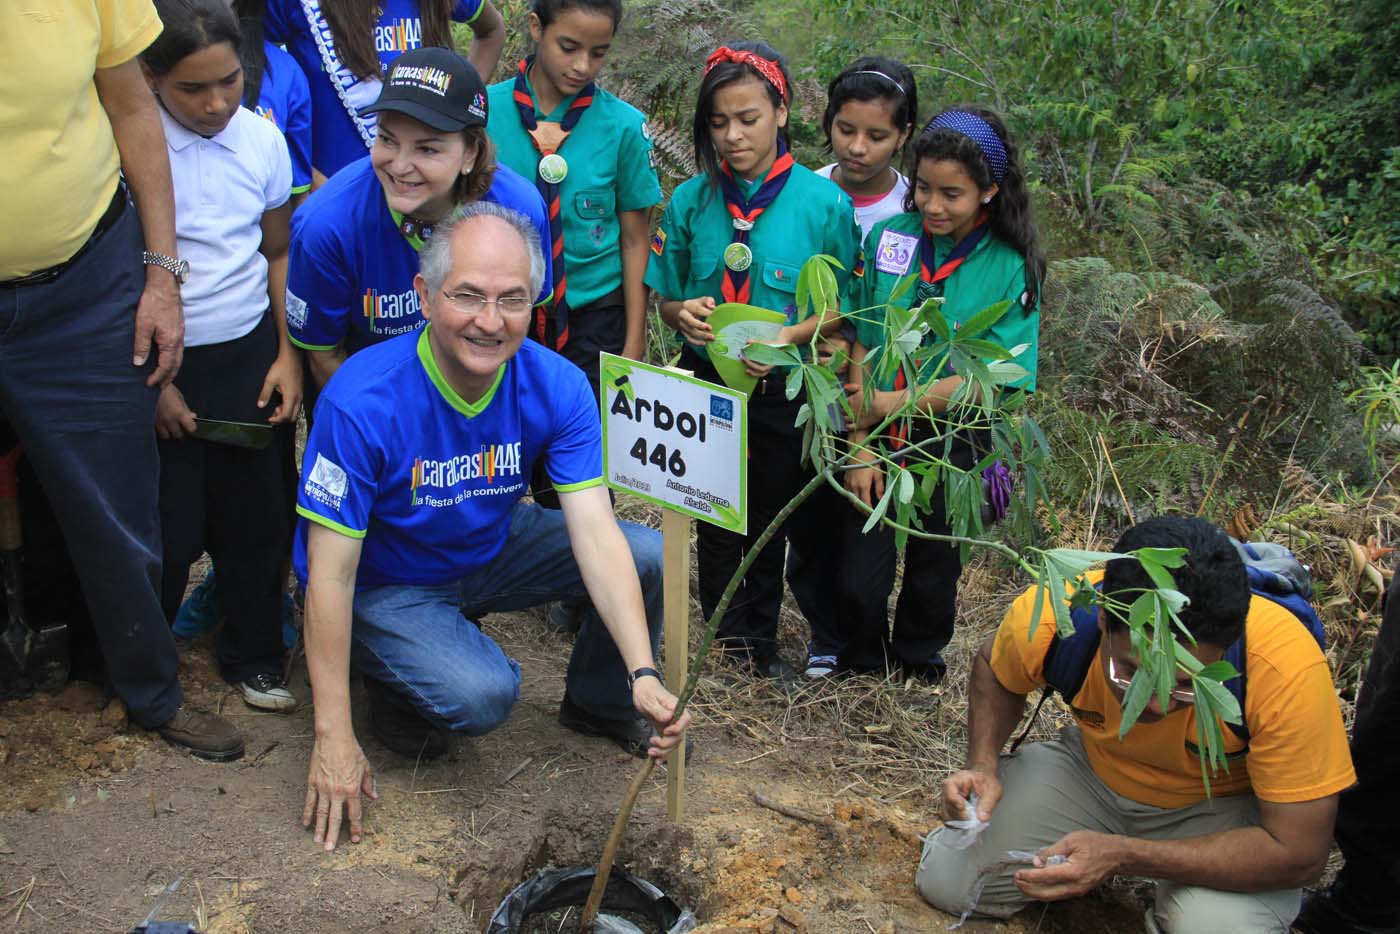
1235, 861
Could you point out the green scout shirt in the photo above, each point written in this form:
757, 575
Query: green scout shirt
611, 169
811, 215
992, 272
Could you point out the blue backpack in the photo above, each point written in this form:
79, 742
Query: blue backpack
1274, 573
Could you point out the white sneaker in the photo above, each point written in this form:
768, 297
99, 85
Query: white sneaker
267, 692
819, 666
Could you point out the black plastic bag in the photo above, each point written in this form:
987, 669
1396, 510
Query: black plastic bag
549, 889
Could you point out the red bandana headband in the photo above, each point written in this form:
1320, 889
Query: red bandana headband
765, 67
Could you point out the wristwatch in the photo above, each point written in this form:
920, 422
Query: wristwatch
642, 673
179, 268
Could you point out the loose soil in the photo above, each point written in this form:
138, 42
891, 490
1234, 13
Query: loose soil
100, 817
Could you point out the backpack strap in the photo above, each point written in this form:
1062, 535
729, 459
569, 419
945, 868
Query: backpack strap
1236, 655
1068, 659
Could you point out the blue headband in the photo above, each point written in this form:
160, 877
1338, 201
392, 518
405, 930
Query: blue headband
980, 132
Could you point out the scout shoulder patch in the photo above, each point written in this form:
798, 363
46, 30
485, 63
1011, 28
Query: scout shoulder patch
896, 252
658, 241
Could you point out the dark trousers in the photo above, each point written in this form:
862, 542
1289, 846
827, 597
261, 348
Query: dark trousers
845, 591
598, 327
86, 420
229, 501
776, 474
1368, 820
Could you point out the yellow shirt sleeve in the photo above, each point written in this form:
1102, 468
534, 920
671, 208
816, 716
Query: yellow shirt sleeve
1018, 657
128, 27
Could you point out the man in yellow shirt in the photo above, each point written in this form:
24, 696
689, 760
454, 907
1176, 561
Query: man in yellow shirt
89, 286
1233, 862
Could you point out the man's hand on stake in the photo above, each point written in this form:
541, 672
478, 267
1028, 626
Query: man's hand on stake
658, 705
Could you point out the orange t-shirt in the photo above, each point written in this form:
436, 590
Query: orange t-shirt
1298, 744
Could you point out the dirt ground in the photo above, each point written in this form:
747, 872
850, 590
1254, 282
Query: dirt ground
100, 817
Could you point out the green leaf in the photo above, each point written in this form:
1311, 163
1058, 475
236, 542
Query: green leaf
931, 314
1219, 671
773, 354
1135, 700
985, 318
987, 350
794, 383
1164, 557
906, 487
879, 511
903, 286
1004, 372
1078, 560
1224, 704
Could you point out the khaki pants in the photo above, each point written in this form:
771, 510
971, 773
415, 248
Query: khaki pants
1049, 790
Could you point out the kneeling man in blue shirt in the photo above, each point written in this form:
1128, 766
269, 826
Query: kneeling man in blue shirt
412, 526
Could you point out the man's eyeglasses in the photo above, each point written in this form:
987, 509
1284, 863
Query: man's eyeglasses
1121, 680
472, 303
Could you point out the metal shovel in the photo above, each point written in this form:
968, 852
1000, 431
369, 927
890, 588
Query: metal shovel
31, 657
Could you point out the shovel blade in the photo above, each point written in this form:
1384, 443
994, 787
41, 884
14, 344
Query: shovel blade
47, 664
14, 651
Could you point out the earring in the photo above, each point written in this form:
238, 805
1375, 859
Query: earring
986, 200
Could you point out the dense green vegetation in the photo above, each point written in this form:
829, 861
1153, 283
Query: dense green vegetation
1217, 181
1203, 137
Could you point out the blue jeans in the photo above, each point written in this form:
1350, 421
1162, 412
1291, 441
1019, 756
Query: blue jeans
87, 422
421, 643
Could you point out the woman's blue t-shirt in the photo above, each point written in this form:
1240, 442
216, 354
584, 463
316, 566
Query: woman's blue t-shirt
350, 271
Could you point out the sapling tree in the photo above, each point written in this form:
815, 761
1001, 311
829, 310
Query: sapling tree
921, 345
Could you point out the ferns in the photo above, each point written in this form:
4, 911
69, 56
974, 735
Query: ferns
1168, 372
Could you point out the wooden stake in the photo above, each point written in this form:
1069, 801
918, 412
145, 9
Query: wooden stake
675, 549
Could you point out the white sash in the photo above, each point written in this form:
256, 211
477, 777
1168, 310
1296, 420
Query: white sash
354, 92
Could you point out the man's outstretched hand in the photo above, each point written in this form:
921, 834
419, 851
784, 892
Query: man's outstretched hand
339, 774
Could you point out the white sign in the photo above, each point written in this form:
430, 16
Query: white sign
677, 441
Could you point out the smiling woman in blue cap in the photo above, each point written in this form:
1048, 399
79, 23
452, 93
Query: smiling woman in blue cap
355, 242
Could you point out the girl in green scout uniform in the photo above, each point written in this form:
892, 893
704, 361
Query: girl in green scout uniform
968, 233
739, 232
590, 155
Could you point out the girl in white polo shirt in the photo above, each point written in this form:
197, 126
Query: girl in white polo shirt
233, 178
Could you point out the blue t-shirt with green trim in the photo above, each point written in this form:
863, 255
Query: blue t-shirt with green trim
350, 271
336, 141
284, 99
428, 480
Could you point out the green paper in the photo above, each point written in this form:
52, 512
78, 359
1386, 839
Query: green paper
238, 434
735, 325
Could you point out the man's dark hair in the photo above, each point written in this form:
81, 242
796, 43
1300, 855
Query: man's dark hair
1213, 578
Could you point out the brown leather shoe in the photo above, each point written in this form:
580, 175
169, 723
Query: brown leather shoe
205, 734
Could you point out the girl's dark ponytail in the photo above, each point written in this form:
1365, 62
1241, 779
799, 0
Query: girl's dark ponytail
1010, 213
